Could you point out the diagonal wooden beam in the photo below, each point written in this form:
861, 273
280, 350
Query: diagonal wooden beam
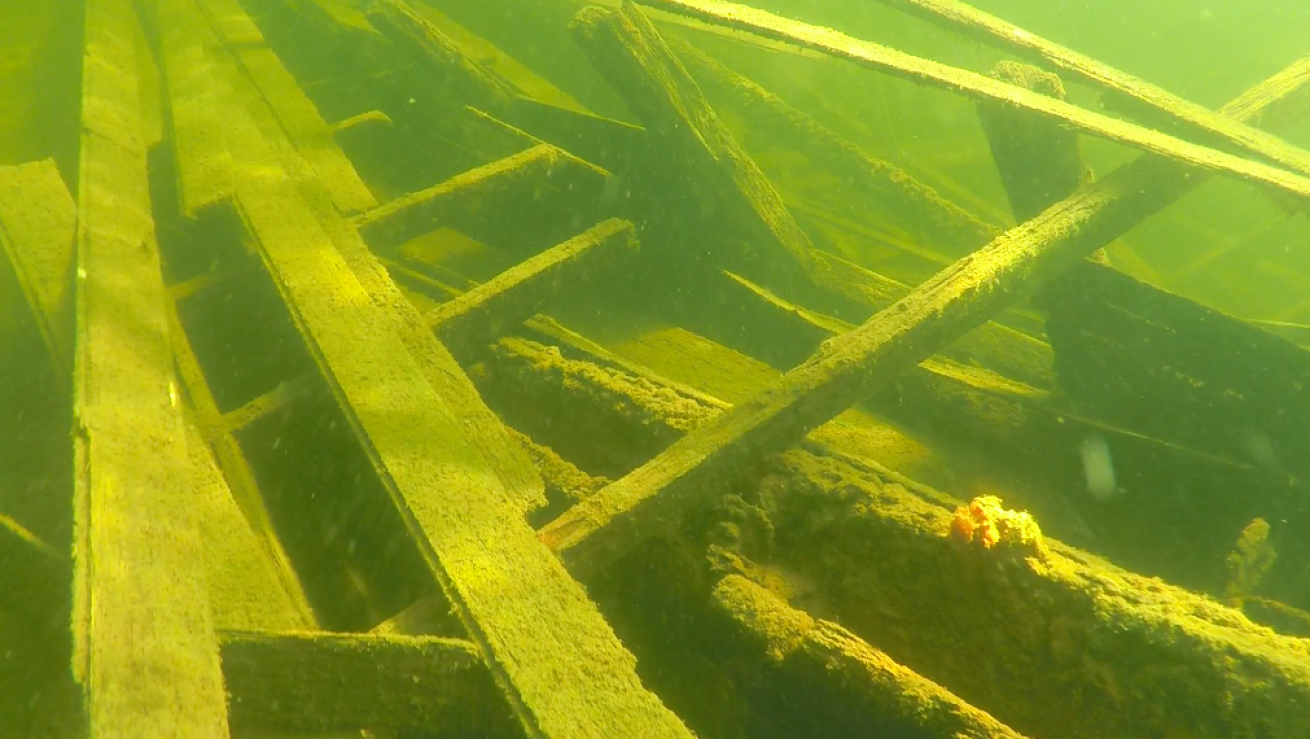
632, 55
979, 87
1221, 130
849, 367
144, 647
498, 305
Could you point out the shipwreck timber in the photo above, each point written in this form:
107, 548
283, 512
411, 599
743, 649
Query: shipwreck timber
411, 396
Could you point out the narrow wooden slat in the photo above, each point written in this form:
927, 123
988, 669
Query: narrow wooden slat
507, 183
314, 682
144, 648
498, 305
978, 87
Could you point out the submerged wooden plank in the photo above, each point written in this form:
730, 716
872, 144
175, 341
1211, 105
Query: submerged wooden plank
978, 87
184, 33
498, 305
315, 682
958, 16
37, 230
762, 239
144, 648
849, 367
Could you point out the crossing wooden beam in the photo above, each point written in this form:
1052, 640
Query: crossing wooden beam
535, 182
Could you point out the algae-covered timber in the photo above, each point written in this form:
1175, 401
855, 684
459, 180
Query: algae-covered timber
318, 682
978, 87
451, 500
145, 653
1155, 101
763, 240
496, 306
880, 549
898, 337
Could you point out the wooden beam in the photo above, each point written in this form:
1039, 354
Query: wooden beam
473, 196
316, 682
844, 519
144, 647
762, 240
1157, 102
979, 87
482, 314
848, 368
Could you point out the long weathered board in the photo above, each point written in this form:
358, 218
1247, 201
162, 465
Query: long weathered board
144, 648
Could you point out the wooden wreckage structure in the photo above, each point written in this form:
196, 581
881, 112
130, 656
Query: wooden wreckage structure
567, 427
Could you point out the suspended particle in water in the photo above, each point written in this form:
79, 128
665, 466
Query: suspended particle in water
1098, 467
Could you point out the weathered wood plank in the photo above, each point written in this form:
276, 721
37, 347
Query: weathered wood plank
979, 87
850, 367
315, 682
466, 201
477, 543
1008, 37
761, 240
37, 222
498, 305
184, 32
144, 647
